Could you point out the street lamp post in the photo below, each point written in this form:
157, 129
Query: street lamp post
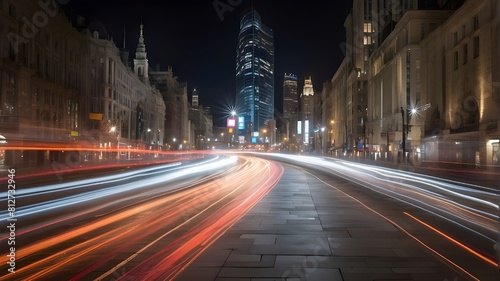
148, 138
113, 130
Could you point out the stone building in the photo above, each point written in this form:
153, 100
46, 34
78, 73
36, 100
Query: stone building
64, 83
123, 110
395, 84
460, 82
202, 123
42, 77
174, 94
338, 113
431, 81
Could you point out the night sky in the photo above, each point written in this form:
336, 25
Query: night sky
200, 43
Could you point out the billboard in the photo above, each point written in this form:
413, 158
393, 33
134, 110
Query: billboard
241, 123
231, 122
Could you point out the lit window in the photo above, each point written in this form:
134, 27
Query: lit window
367, 27
367, 40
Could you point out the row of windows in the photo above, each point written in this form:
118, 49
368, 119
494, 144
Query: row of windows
50, 98
475, 26
465, 53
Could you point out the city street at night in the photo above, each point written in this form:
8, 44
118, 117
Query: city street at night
252, 140
256, 216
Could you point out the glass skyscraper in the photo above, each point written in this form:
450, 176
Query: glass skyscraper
255, 72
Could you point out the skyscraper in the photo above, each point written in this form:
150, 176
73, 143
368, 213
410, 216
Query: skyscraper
255, 72
290, 104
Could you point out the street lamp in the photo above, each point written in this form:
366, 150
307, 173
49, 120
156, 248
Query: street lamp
112, 130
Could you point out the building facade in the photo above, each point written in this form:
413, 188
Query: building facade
174, 93
124, 109
461, 74
337, 116
65, 83
42, 78
394, 84
255, 72
202, 123
431, 80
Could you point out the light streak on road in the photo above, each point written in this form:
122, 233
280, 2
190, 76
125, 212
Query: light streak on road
176, 221
437, 253
472, 209
460, 244
155, 175
464, 202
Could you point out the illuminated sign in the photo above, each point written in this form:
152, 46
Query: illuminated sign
95, 116
231, 122
241, 123
306, 131
299, 127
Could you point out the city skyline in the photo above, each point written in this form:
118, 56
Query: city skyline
308, 42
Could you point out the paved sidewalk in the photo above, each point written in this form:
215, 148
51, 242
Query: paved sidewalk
305, 230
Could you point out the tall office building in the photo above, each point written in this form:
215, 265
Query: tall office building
255, 72
290, 104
